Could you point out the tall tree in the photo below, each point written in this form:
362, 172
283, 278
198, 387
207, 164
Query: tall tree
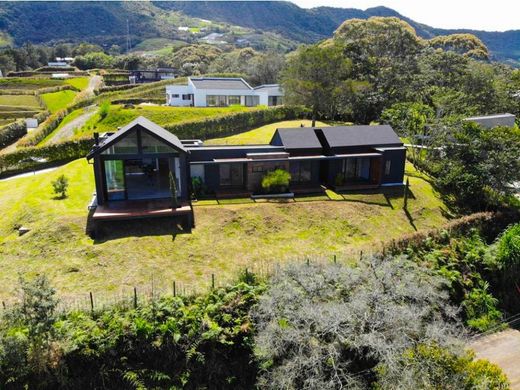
318, 77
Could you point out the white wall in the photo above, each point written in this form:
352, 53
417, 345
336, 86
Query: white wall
179, 90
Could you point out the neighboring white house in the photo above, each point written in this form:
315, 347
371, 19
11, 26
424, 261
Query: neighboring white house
221, 92
490, 121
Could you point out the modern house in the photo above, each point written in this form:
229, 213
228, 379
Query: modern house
490, 121
149, 76
132, 166
221, 92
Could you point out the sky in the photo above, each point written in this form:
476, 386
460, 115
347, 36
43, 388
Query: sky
489, 15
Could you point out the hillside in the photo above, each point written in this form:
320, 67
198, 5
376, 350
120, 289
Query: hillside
269, 24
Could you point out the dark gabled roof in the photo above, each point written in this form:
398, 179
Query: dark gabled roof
153, 128
220, 83
345, 136
296, 138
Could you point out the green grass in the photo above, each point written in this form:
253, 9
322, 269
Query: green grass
19, 100
69, 118
227, 236
260, 135
56, 101
80, 83
28, 83
120, 116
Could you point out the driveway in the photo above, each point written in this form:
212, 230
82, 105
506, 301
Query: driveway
503, 349
67, 131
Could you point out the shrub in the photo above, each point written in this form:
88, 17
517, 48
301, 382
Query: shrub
276, 181
429, 366
326, 326
60, 186
508, 248
198, 187
104, 109
12, 132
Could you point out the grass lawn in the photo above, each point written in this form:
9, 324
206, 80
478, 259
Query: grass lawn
56, 101
119, 116
80, 83
227, 237
19, 100
28, 83
261, 135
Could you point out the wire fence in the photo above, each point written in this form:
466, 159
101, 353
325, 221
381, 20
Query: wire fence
158, 287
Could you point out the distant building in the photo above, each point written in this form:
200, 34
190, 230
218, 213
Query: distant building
183, 28
490, 121
61, 64
222, 92
150, 76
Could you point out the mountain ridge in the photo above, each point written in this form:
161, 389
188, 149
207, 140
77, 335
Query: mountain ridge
105, 22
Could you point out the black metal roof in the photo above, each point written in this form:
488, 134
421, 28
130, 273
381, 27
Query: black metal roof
344, 136
162, 134
296, 138
220, 83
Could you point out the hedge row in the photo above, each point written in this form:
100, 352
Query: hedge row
223, 126
12, 132
113, 88
489, 224
55, 89
51, 123
138, 101
18, 114
24, 159
43, 73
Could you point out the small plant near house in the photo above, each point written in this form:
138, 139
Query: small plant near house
60, 186
276, 181
198, 187
173, 190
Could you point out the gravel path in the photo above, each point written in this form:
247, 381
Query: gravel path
503, 349
67, 131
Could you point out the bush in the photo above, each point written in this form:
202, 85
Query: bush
12, 132
276, 181
25, 159
508, 248
104, 109
325, 326
429, 366
60, 186
222, 126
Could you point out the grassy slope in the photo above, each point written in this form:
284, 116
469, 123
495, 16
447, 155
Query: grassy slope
119, 116
69, 118
28, 83
78, 82
227, 237
56, 101
260, 135
20, 100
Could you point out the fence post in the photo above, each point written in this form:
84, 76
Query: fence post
135, 298
360, 255
174, 289
405, 204
91, 302
335, 260
212, 281
308, 261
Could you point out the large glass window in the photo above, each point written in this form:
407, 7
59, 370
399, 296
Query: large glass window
274, 100
126, 145
233, 100
115, 179
150, 144
356, 168
231, 175
301, 171
216, 100
252, 101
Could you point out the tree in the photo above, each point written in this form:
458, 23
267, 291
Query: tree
318, 77
330, 325
60, 186
410, 120
94, 60
477, 165
466, 44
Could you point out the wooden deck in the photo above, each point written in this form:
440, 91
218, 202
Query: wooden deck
134, 209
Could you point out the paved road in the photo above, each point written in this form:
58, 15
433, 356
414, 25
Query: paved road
32, 173
503, 349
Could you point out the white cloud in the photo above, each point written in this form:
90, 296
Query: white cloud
496, 15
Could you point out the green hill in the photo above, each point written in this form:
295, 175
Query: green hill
266, 24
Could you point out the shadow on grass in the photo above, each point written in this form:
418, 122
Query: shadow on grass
103, 231
410, 218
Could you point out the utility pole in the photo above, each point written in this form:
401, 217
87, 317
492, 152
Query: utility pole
128, 42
